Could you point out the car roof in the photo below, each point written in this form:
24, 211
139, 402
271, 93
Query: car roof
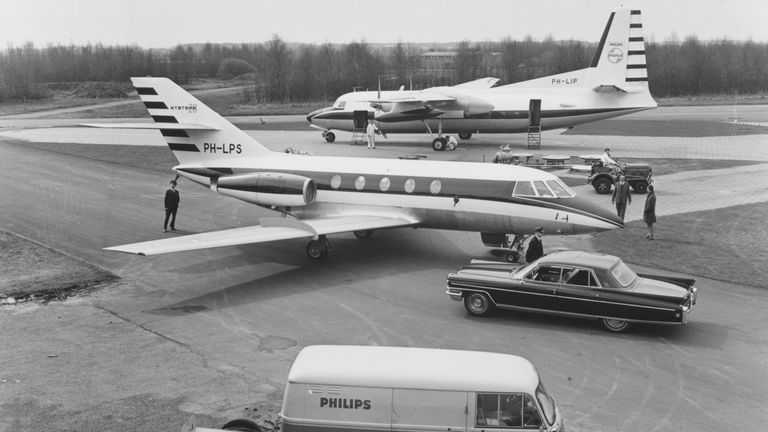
413, 368
581, 259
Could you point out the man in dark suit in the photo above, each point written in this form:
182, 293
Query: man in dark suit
535, 247
172, 200
621, 196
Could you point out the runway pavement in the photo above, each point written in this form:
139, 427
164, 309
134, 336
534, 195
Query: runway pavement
212, 333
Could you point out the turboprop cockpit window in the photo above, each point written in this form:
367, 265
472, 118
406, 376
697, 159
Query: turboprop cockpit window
339, 103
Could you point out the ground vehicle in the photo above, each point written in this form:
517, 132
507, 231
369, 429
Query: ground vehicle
375, 388
574, 283
639, 176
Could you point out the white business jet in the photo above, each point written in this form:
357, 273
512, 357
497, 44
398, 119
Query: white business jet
614, 84
315, 196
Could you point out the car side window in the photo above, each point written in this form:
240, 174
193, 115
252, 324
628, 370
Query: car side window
579, 277
546, 274
502, 410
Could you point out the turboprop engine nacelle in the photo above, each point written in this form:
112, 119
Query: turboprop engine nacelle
268, 188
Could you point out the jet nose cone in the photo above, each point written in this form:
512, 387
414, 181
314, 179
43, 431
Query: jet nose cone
591, 216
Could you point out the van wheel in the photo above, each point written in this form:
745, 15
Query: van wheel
615, 325
478, 304
242, 425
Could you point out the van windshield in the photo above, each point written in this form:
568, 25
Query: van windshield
546, 402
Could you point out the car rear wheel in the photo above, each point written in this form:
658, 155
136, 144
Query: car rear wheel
242, 425
615, 325
478, 304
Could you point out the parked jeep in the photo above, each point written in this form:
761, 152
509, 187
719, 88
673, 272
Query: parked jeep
638, 176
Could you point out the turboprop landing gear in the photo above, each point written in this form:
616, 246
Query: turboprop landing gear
438, 144
465, 135
318, 249
329, 136
363, 234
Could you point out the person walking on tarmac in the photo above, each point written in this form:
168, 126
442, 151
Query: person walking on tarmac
649, 212
172, 200
535, 246
503, 156
621, 196
370, 132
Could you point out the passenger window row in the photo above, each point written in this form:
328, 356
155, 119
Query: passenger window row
435, 186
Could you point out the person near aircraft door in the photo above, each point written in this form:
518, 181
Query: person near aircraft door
452, 143
172, 200
621, 196
649, 212
535, 246
370, 132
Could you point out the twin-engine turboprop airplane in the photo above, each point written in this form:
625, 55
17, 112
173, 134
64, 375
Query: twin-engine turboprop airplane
316, 196
614, 84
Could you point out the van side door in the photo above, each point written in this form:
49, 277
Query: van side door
429, 410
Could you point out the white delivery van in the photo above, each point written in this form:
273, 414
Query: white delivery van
334, 388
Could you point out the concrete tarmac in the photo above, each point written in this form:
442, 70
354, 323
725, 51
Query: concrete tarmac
212, 333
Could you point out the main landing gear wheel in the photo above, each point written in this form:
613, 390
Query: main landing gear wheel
438, 144
615, 325
318, 249
465, 135
329, 136
363, 234
478, 303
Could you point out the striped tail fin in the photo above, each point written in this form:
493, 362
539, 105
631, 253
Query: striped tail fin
195, 133
619, 62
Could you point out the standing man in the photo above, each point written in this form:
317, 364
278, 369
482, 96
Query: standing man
649, 212
621, 196
370, 132
535, 246
171, 206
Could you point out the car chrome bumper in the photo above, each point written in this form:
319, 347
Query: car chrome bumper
454, 294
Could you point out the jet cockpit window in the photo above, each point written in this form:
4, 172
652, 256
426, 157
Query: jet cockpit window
523, 188
542, 189
560, 190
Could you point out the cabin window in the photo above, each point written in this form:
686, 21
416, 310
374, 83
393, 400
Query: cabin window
581, 277
336, 181
545, 274
384, 184
410, 185
435, 187
560, 190
360, 183
523, 188
542, 189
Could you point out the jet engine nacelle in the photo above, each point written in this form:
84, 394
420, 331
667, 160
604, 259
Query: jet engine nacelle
268, 188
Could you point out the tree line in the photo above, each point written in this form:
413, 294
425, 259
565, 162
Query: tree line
279, 71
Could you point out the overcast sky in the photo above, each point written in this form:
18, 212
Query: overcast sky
165, 23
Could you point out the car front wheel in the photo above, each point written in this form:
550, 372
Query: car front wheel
615, 325
478, 304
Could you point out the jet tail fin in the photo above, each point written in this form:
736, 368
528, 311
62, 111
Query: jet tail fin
195, 133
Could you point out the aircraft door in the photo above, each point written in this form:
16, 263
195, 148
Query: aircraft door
534, 112
360, 119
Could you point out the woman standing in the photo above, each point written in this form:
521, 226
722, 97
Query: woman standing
649, 212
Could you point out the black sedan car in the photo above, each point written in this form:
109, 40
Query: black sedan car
573, 283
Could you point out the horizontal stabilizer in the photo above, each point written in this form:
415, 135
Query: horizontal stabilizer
271, 229
182, 126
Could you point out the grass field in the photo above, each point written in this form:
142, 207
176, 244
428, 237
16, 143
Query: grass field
725, 244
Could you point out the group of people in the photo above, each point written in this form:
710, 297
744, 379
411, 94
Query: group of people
622, 197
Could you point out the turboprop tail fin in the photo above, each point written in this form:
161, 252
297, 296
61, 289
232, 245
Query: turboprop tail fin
619, 61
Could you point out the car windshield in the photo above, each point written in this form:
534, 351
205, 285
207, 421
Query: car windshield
547, 403
623, 274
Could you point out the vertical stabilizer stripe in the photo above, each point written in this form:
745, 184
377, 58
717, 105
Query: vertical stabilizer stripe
599, 52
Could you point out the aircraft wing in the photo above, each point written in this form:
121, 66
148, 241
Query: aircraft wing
270, 229
482, 83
